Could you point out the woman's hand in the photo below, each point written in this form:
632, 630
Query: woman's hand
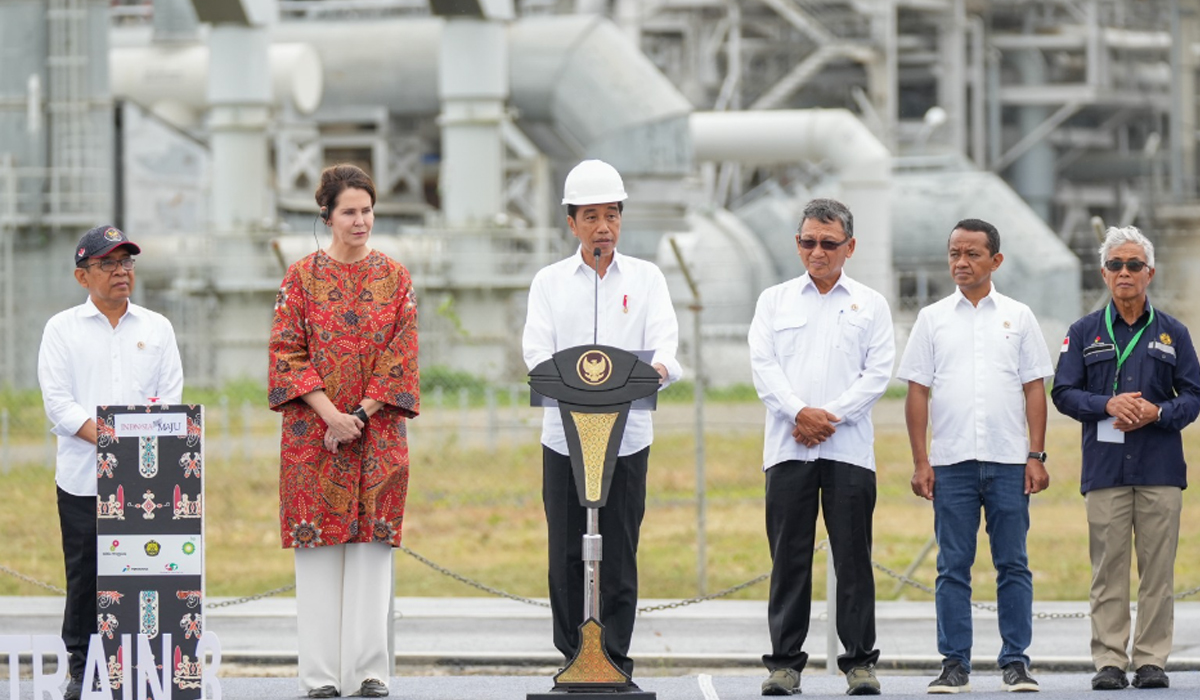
344, 427
329, 441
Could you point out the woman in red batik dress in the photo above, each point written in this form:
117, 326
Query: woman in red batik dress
344, 375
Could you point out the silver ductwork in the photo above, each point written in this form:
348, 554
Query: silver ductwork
858, 160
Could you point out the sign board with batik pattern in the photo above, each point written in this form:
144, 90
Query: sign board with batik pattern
150, 540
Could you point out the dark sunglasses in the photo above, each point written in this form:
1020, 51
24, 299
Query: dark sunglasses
811, 243
1131, 265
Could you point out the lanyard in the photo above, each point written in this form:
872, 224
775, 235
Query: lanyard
1123, 355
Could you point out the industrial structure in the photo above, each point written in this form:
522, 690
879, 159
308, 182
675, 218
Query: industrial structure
200, 128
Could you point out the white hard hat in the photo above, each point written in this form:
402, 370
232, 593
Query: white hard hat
593, 182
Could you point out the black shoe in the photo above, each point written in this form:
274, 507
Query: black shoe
1151, 676
954, 679
373, 688
1110, 678
1017, 679
325, 691
74, 688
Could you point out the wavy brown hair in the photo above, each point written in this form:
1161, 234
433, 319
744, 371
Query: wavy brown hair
337, 179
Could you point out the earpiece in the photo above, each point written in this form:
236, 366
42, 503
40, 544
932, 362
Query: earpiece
325, 214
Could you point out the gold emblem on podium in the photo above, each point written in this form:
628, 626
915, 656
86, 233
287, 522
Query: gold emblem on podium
594, 431
594, 367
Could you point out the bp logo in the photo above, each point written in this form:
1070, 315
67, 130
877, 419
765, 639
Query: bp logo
153, 548
594, 367
189, 548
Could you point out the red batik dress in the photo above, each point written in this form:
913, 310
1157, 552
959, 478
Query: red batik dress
350, 329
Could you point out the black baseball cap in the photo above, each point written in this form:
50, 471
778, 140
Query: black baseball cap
101, 241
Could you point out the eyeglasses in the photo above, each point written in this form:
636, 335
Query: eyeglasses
812, 243
1131, 265
110, 265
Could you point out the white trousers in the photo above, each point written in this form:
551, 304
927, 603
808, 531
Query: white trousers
343, 598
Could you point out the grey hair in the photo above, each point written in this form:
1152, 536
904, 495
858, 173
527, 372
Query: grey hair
1114, 237
828, 211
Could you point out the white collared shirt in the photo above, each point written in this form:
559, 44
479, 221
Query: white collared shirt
976, 360
635, 313
84, 362
832, 351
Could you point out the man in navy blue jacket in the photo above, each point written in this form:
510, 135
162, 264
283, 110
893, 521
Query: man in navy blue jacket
1129, 374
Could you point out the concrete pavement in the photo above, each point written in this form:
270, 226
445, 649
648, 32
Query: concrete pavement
489, 645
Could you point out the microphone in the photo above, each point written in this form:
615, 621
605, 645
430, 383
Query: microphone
596, 297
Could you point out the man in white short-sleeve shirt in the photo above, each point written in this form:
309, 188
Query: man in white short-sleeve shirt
105, 351
983, 356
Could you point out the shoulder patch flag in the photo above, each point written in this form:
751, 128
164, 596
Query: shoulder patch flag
1066, 345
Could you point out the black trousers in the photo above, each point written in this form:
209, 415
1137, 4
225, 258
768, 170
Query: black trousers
845, 494
77, 519
620, 525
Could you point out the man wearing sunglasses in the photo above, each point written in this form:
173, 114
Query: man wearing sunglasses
821, 352
1129, 374
105, 351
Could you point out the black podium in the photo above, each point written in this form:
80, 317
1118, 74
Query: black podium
594, 386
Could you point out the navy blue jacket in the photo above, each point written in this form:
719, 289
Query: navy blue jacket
1163, 367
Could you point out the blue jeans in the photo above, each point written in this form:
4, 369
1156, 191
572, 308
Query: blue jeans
959, 490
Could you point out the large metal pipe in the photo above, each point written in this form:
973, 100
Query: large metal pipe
171, 79
833, 136
582, 73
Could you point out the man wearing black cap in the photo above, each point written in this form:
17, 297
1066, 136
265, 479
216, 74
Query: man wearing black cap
105, 351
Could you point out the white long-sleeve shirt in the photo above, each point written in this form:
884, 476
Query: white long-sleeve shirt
635, 313
832, 351
977, 360
85, 362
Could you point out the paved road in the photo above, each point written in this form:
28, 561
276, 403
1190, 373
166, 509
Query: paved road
461, 648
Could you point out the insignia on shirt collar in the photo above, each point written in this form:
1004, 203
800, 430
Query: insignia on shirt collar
1165, 338
141, 345
1008, 324
854, 307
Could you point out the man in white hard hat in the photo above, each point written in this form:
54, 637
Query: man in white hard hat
634, 313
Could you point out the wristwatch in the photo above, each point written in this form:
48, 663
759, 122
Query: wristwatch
361, 414
1039, 456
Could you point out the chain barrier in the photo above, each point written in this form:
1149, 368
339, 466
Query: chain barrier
249, 598
906, 580
471, 582
28, 579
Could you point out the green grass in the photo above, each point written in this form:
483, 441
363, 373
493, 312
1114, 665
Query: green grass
479, 513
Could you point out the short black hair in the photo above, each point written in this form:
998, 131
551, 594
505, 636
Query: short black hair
572, 208
981, 226
828, 211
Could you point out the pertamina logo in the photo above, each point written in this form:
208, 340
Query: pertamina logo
594, 367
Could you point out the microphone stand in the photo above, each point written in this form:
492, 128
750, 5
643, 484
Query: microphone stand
593, 542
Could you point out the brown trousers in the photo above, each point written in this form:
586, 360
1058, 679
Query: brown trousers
1149, 516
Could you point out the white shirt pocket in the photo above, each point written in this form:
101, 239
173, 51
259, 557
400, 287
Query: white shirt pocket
852, 333
789, 332
147, 356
